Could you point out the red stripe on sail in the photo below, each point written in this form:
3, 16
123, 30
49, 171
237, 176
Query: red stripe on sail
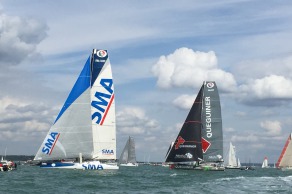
283, 151
193, 122
54, 143
108, 107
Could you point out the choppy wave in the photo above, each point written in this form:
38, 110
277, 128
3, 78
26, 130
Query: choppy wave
144, 179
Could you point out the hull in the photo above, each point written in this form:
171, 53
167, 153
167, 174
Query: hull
129, 164
203, 167
232, 167
90, 165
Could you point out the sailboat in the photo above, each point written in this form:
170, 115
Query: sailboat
285, 159
199, 144
6, 165
83, 136
232, 162
128, 156
265, 163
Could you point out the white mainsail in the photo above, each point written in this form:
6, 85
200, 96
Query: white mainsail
232, 161
104, 132
86, 123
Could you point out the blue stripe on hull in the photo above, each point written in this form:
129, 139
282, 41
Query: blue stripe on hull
56, 165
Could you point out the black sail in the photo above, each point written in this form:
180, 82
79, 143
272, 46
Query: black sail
188, 146
212, 136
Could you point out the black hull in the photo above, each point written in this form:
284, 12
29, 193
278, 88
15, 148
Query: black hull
201, 167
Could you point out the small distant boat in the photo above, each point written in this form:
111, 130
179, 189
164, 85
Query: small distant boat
199, 144
247, 168
285, 159
83, 135
6, 165
128, 156
232, 162
265, 163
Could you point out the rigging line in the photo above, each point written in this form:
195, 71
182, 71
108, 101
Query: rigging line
193, 122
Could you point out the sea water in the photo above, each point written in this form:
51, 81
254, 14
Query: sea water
144, 179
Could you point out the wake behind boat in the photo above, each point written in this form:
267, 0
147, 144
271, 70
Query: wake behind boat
128, 156
199, 144
83, 135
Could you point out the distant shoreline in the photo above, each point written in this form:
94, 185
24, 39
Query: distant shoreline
18, 157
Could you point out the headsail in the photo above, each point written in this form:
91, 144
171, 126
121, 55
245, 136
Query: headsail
188, 146
285, 159
86, 122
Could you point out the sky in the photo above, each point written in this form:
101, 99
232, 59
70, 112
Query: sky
160, 52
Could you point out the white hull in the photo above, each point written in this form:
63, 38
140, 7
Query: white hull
129, 164
232, 167
91, 165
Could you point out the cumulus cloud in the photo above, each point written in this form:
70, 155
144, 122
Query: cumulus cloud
132, 120
188, 68
244, 138
229, 129
22, 121
273, 128
19, 38
269, 87
240, 114
255, 69
184, 101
